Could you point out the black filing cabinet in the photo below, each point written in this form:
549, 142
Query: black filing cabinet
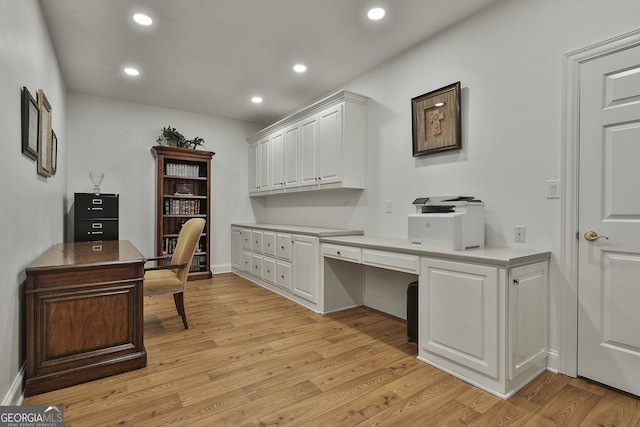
95, 217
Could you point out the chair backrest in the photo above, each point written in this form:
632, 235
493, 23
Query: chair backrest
186, 245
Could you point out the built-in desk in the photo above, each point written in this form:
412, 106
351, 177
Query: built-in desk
482, 313
83, 314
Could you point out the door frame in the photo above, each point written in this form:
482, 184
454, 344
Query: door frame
568, 317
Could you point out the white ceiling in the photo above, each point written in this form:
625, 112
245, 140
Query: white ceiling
212, 56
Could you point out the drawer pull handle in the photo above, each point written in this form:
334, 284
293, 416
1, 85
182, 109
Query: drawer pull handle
95, 232
338, 252
94, 209
96, 225
96, 201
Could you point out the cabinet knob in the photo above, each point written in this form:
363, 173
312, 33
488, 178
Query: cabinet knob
338, 252
516, 281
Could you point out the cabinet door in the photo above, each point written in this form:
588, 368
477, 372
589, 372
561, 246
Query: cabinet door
458, 314
330, 145
265, 164
254, 167
309, 151
236, 248
305, 276
277, 161
527, 317
291, 152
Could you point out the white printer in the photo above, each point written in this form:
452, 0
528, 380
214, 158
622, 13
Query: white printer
451, 222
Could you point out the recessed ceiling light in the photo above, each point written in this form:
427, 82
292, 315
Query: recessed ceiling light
299, 68
131, 71
376, 13
256, 100
142, 19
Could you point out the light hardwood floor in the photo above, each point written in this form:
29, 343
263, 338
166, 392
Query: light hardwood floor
253, 358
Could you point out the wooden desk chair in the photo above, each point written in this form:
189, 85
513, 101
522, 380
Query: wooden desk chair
171, 279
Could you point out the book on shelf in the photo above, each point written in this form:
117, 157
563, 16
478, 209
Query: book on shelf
181, 207
183, 169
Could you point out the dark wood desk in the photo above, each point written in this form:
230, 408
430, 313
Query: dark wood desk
84, 316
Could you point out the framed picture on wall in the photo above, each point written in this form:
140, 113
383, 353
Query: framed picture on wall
436, 120
54, 152
30, 117
44, 135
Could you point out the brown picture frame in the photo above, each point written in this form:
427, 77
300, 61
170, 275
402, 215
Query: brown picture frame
436, 121
54, 152
30, 118
44, 135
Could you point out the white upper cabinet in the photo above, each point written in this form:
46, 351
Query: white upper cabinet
309, 151
277, 160
319, 147
254, 167
291, 153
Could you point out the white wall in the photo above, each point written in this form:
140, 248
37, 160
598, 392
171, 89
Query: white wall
509, 60
31, 207
116, 137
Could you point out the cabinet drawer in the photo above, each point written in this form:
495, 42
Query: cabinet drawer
245, 239
88, 206
256, 263
269, 270
283, 275
346, 253
283, 246
100, 229
391, 261
256, 241
269, 243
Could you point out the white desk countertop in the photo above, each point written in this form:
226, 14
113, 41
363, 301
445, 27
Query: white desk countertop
296, 229
506, 257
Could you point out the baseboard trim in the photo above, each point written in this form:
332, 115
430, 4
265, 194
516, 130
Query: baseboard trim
14, 396
221, 268
553, 361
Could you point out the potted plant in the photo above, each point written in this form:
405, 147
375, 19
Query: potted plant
170, 136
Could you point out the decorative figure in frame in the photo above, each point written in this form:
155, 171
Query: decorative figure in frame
436, 117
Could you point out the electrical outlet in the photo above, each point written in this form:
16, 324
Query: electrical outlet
520, 231
387, 206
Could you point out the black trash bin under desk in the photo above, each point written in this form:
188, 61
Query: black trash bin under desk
412, 312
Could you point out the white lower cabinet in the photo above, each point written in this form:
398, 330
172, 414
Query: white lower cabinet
484, 324
305, 267
282, 262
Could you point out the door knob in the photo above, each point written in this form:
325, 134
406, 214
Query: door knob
592, 235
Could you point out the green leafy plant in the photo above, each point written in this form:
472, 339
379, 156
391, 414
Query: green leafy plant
170, 136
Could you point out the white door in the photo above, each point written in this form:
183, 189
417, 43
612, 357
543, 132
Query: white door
609, 221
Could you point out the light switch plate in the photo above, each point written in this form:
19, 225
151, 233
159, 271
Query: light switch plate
553, 189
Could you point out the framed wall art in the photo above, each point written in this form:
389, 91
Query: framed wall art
436, 121
30, 117
44, 135
54, 153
